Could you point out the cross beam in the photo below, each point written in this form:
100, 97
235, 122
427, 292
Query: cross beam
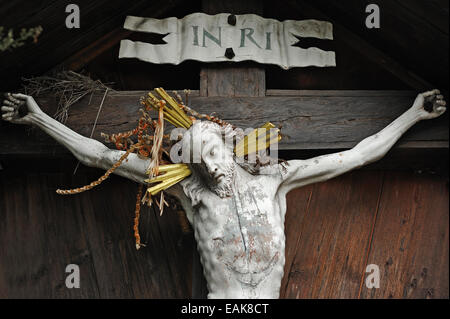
311, 120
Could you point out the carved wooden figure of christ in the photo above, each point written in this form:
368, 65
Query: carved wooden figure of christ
237, 213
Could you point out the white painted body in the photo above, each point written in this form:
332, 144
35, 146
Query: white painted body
241, 238
240, 235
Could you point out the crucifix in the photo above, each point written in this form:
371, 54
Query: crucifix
237, 214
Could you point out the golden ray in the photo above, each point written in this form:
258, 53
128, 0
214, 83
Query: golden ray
251, 142
169, 176
173, 113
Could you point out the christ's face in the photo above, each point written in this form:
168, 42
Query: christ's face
211, 159
218, 161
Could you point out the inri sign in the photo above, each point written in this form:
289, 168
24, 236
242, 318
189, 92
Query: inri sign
225, 37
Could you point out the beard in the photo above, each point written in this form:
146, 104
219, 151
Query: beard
225, 187
200, 181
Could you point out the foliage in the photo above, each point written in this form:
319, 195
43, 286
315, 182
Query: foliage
8, 42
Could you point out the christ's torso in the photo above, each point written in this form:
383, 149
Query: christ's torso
241, 239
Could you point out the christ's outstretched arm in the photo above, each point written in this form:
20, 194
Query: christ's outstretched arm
88, 151
303, 172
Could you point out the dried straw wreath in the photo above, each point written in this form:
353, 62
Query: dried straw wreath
151, 143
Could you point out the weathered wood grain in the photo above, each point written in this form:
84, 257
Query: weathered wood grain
297, 202
40, 236
309, 122
325, 223
334, 238
42, 232
233, 79
410, 239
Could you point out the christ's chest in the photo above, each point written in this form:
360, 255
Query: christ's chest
241, 230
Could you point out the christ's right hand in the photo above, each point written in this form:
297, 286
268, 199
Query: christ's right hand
18, 108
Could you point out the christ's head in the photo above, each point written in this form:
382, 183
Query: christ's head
210, 147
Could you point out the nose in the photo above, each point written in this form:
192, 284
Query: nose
212, 168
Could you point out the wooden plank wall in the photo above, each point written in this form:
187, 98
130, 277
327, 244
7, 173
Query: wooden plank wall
42, 232
397, 220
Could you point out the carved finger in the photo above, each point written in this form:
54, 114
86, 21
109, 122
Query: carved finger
430, 93
440, 110
9, 103
20, 96
13, 99
441, 102
7, 117
440, 97
8, 109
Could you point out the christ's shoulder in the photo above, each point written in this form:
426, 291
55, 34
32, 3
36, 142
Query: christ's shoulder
272, 174
275, 170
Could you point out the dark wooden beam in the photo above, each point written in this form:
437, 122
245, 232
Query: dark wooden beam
311, 120
233, 79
